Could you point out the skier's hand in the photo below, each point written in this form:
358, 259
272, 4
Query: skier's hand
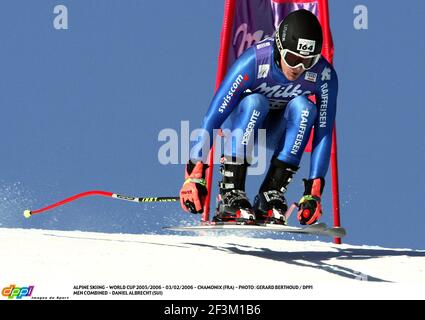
194, 191
310, 207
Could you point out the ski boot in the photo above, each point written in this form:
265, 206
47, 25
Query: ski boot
270, 204
233, 205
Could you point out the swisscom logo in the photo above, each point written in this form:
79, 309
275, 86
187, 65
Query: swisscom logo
13, 292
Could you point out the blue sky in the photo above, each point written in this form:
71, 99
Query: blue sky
82, 109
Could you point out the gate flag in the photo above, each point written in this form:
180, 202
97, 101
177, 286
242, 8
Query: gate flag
248, 22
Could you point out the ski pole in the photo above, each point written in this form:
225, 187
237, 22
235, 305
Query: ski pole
29, 213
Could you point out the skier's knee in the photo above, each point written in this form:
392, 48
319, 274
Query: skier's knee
255, 101
301, 106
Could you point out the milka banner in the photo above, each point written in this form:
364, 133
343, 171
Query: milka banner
256, 20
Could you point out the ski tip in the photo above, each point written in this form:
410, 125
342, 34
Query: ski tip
340, 231
336, 232
27, 214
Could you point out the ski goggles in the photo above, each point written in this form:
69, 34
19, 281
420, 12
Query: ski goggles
295, 60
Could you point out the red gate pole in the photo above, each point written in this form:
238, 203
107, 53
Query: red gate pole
328, 51
335, 184
226, 34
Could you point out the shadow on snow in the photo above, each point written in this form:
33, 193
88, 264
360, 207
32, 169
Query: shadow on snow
320, 260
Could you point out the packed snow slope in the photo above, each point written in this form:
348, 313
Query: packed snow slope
43, 255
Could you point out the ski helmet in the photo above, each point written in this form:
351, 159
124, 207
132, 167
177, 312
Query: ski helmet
299, 32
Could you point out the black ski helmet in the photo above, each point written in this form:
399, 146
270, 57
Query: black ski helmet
299, 32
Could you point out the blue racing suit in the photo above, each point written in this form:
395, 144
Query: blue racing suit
255, 94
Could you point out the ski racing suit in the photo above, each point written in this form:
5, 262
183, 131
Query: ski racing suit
255, 94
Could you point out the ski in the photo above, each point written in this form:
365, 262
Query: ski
319, 229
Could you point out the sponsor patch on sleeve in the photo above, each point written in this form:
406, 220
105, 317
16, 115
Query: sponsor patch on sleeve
263, 45
263, 71
326, 74
311, 76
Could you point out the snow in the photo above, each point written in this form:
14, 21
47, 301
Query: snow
46, 256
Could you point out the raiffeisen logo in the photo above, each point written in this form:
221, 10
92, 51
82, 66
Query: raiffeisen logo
235, 87
13, 292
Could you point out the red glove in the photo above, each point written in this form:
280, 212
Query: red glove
194, 190
310, 207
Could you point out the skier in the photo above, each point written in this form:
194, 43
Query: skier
268, 88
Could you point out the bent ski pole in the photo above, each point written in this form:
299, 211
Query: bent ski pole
29, 213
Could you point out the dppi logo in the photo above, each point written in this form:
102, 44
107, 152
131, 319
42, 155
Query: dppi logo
13, 291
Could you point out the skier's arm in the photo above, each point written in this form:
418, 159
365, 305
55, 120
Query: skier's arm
326, 97
239, 78
310, 207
